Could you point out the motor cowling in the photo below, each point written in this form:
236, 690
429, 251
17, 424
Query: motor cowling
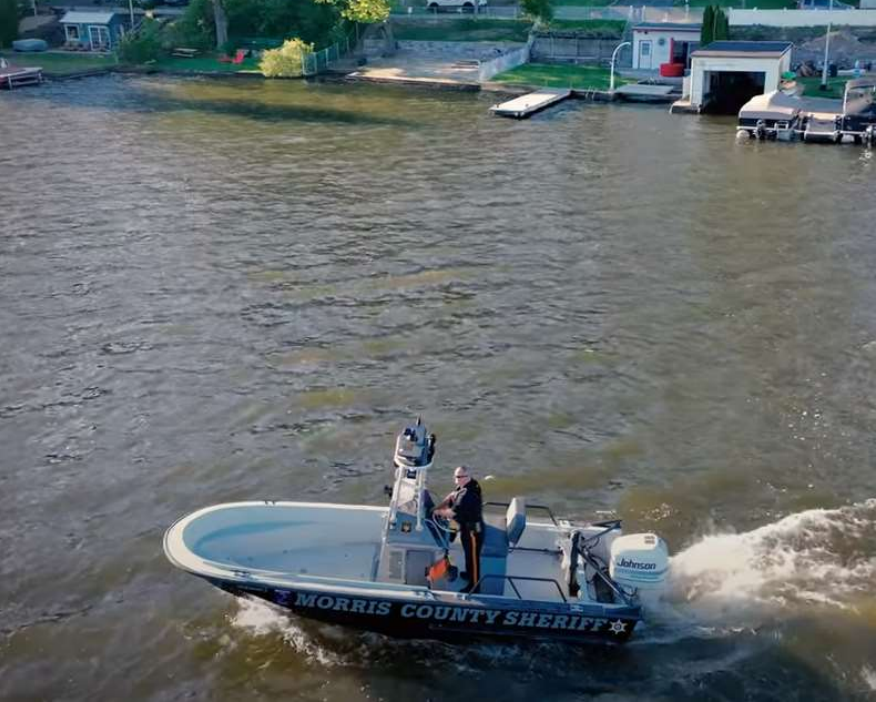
639, 561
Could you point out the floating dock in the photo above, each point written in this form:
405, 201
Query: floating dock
15, 76
527, 105
648, 92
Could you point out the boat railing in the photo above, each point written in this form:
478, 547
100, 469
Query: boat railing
512, 579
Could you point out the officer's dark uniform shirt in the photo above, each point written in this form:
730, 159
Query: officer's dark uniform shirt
468, 504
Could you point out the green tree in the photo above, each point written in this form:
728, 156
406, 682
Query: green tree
143, 45
197, 27
538, 9
287, 61
722, 25
8, 22
366, 11
707, 32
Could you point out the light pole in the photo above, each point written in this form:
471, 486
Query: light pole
826, 47
613, 57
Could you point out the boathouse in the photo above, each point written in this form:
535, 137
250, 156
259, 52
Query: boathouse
94, 31
656, 43
726, 74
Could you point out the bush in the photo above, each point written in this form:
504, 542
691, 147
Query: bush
287, 61
8, 22
196, 29
143, 45
539, 9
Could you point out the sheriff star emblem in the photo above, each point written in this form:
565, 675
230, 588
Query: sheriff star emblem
618, 627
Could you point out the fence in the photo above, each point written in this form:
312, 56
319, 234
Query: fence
505, 62
319, 61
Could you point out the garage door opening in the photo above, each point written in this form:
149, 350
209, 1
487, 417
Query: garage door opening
730, 90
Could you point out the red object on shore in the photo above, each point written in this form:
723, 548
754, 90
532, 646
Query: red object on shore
671, 70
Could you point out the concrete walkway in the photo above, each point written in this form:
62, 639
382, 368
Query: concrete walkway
412, 68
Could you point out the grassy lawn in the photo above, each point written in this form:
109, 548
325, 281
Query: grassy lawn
462, 30
609, 29
61, 63
204, 63
558, 76
836, 87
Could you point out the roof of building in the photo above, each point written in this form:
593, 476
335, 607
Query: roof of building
75, 17
670, 26
761, 49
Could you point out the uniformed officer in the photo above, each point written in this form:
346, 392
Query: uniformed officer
465, 506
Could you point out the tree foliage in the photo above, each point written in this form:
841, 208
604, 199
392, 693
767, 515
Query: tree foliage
716, 25
196, 28
9, 17
538, 9
722, 25
143, 45
320, 22
366, 11
707, 32
311, 21
287, 61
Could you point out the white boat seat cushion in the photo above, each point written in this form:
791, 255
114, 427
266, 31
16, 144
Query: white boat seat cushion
515, 520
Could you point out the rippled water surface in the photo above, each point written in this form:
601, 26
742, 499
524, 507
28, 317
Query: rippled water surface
226, 290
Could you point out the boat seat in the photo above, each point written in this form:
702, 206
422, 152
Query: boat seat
500, 533
515, 520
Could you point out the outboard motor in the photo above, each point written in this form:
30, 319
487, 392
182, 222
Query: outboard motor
639, 562
760, 130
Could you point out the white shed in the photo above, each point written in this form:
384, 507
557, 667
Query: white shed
664, 42
727, 74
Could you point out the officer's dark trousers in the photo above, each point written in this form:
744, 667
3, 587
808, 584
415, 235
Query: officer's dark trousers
472, 537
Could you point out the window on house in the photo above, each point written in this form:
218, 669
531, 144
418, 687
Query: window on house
72, 32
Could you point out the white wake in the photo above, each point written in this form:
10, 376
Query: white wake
820, 556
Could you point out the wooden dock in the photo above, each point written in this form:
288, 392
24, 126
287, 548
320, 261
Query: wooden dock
526, 105
648, 92
16, 76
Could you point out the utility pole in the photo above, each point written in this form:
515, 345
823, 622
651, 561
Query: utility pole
826, 47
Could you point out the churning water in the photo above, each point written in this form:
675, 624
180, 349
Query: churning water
220, 290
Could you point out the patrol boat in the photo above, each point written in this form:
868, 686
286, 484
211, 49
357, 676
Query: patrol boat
389, 569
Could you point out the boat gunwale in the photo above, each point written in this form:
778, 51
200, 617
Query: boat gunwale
247, 578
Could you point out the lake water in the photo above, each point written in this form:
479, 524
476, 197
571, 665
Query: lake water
213, 291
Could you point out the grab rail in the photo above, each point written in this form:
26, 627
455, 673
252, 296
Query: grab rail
512, 578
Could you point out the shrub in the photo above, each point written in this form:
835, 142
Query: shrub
287, 61
8, 22
196, 28
143, 45
539, 9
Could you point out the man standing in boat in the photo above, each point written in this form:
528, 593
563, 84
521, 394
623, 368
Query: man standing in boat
465, 506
